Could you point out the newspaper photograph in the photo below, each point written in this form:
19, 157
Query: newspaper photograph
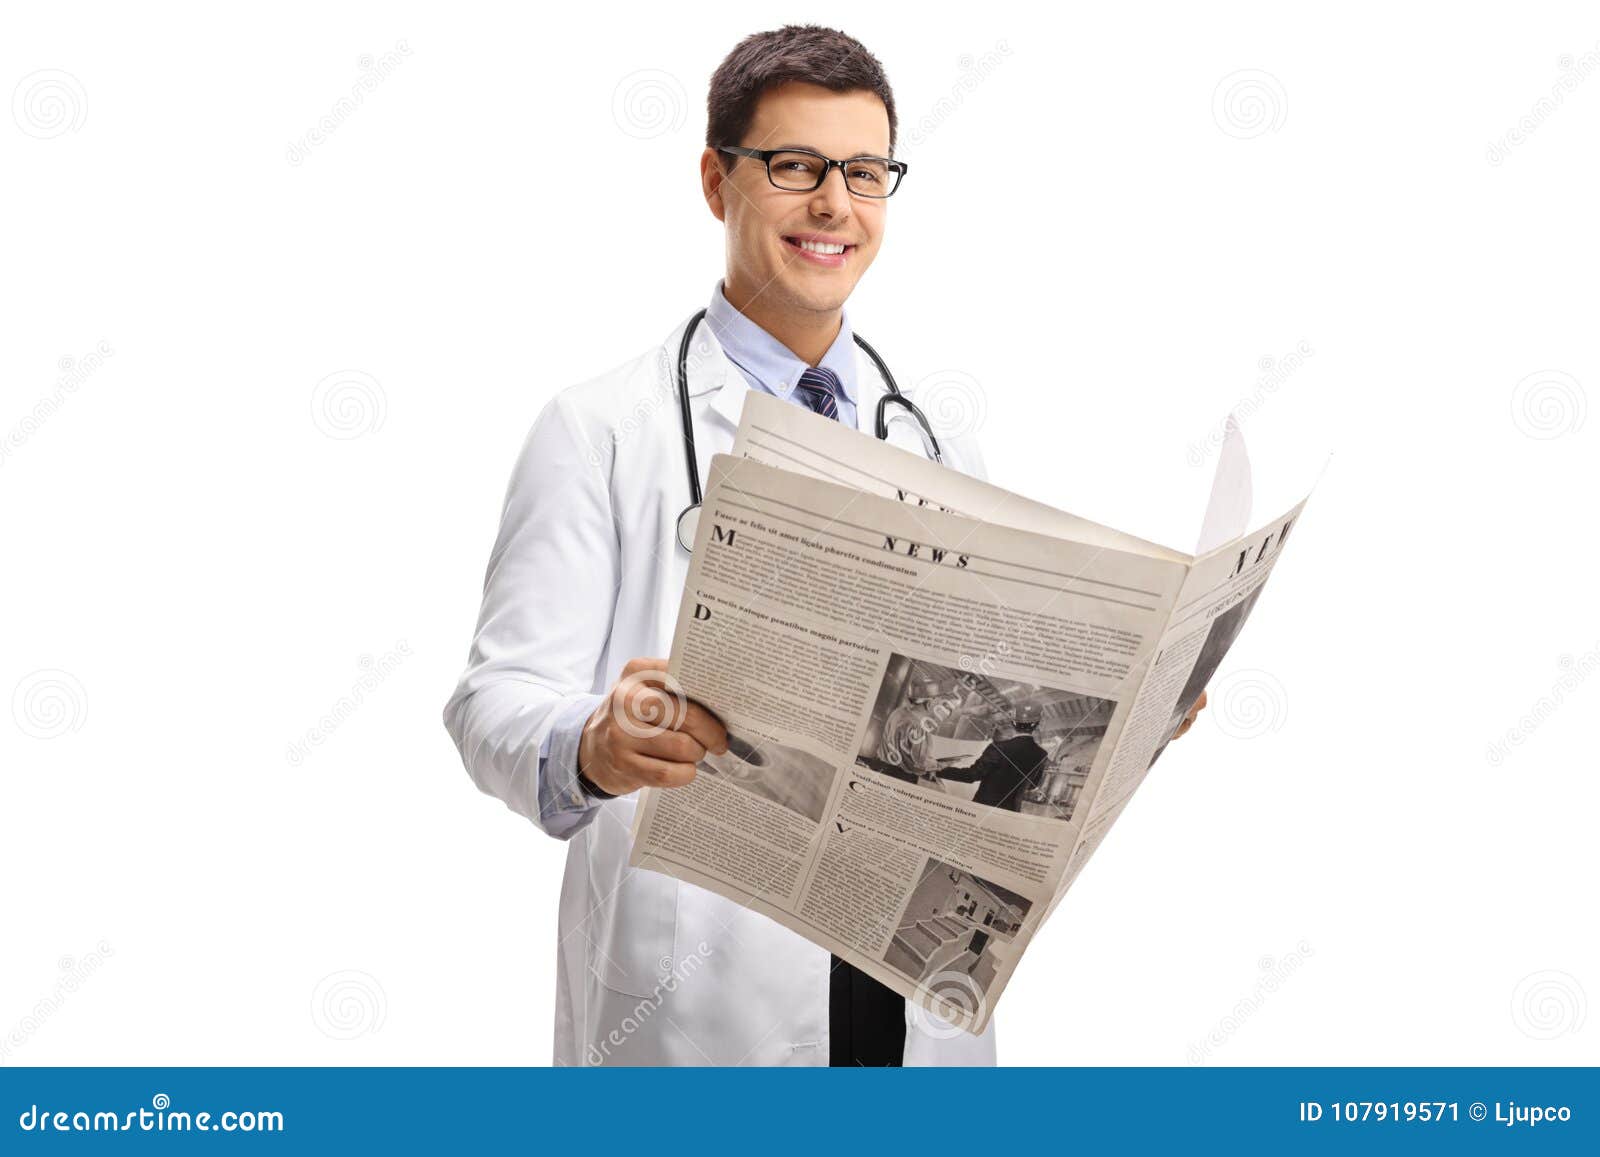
939, 697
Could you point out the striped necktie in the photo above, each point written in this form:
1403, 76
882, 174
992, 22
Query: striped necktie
818, 389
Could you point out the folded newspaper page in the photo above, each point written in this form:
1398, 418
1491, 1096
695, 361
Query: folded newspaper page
939, 696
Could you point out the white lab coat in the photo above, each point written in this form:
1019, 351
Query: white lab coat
586, 574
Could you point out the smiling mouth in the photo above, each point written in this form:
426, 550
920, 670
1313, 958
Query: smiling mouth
829, 253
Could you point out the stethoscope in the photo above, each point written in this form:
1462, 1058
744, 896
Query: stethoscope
690, 518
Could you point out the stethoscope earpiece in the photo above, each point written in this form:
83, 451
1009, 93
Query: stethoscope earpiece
689, 520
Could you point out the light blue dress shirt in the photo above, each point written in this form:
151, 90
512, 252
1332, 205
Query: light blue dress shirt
771, 367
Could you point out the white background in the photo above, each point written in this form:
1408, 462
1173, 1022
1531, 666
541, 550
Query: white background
1108, 233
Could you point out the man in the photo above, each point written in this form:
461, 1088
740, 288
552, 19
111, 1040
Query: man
1008, 767
560, 713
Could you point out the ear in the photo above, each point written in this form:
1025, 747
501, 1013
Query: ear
711, 178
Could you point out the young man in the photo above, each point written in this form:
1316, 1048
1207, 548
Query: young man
552, 714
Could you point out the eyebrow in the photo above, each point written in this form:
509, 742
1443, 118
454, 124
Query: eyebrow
813, 149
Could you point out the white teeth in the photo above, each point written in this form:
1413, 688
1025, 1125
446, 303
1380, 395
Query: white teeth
820, 247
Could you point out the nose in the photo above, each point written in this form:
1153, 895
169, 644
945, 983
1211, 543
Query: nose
831, 199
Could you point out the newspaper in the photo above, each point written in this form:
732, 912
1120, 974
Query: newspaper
939, 698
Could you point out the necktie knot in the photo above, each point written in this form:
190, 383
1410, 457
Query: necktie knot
818, 388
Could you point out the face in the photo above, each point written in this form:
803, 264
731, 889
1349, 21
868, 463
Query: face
765, 225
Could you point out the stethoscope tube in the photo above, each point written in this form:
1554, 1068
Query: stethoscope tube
688, 520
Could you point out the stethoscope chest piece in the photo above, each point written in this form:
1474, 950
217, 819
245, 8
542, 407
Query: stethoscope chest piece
688, 523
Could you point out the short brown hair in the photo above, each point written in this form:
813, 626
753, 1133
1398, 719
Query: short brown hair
796, 52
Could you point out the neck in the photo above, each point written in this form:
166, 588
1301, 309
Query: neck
806, 333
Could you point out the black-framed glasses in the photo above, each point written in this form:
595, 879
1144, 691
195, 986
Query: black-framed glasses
802, 170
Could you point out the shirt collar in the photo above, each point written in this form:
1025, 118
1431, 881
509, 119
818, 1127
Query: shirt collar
766, 362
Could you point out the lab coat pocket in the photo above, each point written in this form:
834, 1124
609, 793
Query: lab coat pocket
634, 922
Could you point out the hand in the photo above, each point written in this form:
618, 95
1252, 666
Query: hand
1194, 713
646, 733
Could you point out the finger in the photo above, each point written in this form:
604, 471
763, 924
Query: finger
705, 727
1199, 704
673, 746
649, 707
649, 771
641, 665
